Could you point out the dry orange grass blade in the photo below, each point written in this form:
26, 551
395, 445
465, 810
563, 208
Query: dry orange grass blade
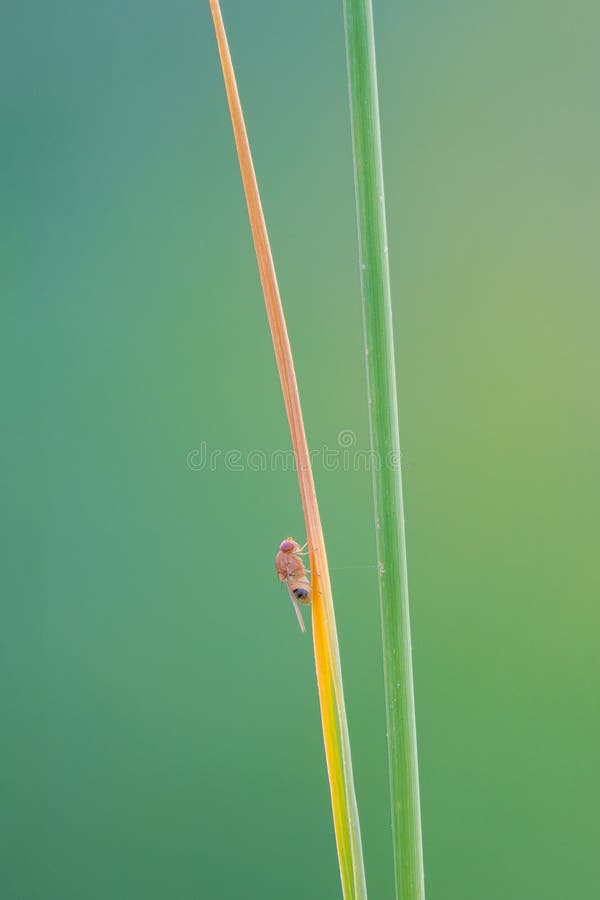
327, 657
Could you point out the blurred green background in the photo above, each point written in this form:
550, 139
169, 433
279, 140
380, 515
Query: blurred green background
160, 727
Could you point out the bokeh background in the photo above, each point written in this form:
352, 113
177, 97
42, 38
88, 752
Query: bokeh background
160, 728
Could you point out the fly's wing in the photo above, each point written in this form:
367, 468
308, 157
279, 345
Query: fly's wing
296, 608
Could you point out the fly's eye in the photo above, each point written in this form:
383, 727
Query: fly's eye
287, 545
301, 593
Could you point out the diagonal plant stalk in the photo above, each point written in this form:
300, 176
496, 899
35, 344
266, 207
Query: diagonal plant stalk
385, 442
327, 657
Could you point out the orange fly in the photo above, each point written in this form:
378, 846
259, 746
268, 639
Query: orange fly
291, 569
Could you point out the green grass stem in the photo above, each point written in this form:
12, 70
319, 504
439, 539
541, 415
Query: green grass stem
385, 442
